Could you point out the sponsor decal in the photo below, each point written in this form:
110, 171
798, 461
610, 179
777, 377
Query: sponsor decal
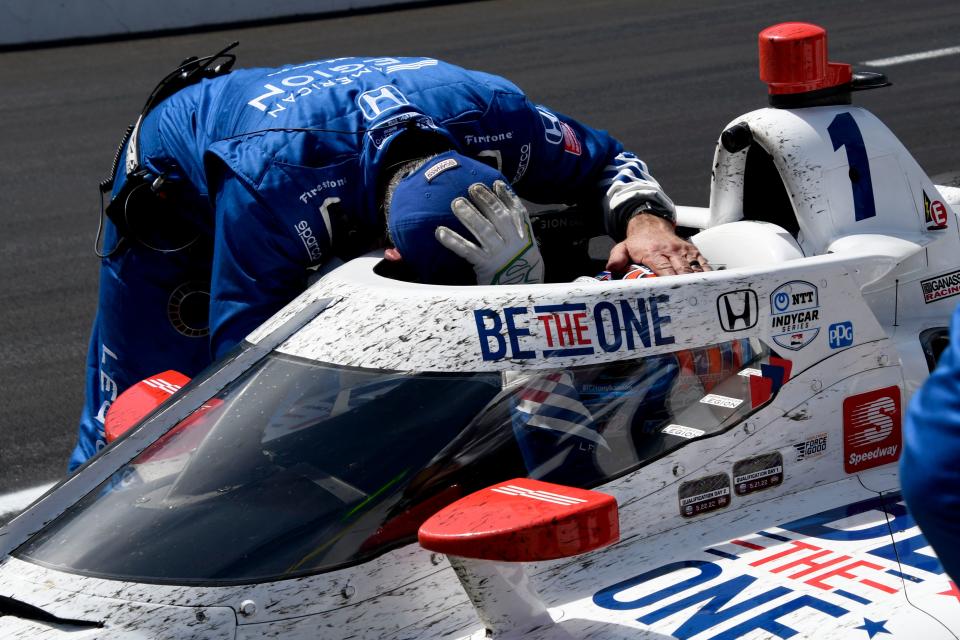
795, 580
682, 431
738, 310
934, 213
494, 137
326, 185
704, 495
757, 473
840, 335
552, 131
940, 287
871, 429
574, 329
289, 85
377, 101
571, 144
309, 240
812, 448
524, 162
188, 309
721, 401
440, 167
795, 314
383, 131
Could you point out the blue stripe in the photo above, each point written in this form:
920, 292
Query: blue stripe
550, 411
894, 572
773, 536
722, 554
559, 353
851, 596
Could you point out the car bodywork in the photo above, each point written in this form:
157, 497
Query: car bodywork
759, 502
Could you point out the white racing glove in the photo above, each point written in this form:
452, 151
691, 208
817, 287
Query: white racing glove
508, 253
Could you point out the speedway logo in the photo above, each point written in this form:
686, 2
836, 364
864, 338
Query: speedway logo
574, 329
795, 314
804, 577
945, 286
871, 429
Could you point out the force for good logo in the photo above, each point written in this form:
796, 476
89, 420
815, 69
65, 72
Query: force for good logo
795, 314
871, 429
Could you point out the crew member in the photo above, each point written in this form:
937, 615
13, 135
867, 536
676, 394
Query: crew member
930, 465
234, 187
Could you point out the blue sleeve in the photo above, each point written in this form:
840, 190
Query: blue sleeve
571, 162
930, 465
256, 267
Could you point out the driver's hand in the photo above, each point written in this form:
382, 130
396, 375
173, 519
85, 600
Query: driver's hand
652, 241
507, 252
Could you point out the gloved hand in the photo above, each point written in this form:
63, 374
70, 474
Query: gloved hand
508, 253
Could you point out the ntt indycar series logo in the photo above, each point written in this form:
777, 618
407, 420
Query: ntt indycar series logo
795, 314
945, 286
871, 429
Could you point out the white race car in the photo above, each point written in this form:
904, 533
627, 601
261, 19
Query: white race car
702, 456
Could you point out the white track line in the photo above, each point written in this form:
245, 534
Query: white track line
913, 57
19, 500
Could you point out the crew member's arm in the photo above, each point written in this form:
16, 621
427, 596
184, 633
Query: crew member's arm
257, 268
570, 160
930, 464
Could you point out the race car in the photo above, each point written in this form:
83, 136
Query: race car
710, 455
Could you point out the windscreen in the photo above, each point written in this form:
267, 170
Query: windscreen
291, 468
299, 467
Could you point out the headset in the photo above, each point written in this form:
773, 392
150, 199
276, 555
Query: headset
139, 209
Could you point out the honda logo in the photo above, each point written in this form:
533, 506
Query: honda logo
738, 310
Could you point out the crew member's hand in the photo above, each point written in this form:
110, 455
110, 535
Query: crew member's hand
507, 252
652, 241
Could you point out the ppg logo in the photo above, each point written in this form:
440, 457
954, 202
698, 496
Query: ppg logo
737, 310
840, 335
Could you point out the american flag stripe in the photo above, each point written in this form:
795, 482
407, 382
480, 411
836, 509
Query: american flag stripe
411, 66
546, 496
163, 385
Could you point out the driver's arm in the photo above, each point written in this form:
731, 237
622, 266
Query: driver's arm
571, 162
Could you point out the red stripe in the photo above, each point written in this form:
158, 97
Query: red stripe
536, 395
748, 545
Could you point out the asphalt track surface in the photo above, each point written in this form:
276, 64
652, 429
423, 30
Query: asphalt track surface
662, 76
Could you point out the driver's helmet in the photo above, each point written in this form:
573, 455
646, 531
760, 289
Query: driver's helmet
421, 203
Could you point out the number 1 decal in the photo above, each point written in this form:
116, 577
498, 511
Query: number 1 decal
844, 132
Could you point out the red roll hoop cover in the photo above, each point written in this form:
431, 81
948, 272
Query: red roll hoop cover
793, 59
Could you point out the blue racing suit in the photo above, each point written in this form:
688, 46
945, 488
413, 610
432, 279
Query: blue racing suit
930, 465
277, 169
